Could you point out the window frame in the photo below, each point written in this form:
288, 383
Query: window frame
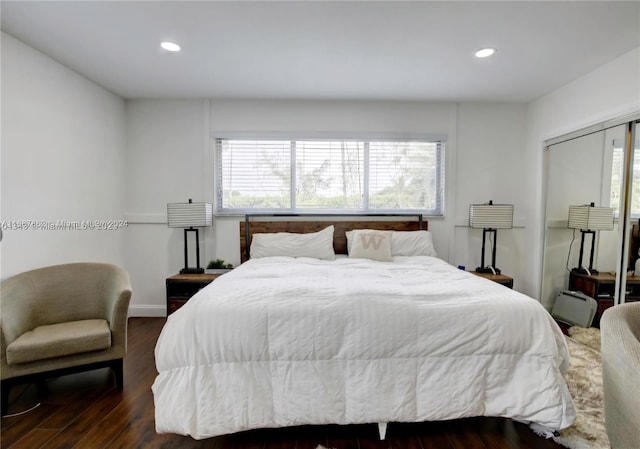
441, 175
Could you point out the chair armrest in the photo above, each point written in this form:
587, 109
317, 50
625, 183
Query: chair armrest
3, 348
118, 295
620, 326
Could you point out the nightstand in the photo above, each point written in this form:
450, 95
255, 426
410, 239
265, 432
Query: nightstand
501, 279
602, 287
181, 287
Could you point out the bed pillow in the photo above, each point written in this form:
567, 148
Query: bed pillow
318, 245
412, 243
370, 244
405, 243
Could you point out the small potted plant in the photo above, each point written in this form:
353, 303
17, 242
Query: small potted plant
218, 266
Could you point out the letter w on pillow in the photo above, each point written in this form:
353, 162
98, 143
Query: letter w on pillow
371, 240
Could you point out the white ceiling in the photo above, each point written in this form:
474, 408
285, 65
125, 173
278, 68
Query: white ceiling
392, 50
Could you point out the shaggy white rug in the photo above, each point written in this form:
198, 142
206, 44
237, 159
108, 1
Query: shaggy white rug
584, 379
588, 336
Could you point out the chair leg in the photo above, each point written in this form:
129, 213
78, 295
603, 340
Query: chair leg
4, 407
118, 369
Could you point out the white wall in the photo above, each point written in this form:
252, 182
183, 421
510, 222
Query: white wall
476, 160
160, 169
489, 167
72, 151
63, 153
610, 91
336, 118
167, 143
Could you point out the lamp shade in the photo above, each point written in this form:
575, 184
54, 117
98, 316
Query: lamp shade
185, 215
491, 216
590, 218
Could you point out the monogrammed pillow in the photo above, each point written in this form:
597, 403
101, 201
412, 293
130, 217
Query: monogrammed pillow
405, 243
370, 244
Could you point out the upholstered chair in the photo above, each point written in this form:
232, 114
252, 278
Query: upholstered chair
62, 319
620, 326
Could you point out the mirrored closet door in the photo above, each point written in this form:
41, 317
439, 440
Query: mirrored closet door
589, 192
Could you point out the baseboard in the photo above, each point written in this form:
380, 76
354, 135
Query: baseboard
147, 311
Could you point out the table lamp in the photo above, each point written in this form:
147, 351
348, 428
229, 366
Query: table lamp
190, 216
490, 217
589, 219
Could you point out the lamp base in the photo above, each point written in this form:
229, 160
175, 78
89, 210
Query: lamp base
584, 270
192, 271
487, 270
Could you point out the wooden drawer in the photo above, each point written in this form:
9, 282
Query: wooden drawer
181, 287
174, 304
501, 279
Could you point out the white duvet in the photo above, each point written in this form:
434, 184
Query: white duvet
281, 342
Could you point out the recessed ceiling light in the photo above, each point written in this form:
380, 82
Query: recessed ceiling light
485, 52
170, 46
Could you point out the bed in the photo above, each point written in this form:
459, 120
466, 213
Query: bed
285, 341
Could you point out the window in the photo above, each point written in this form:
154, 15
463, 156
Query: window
298, 176
616, 180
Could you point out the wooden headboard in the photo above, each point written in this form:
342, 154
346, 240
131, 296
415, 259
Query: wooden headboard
249, 227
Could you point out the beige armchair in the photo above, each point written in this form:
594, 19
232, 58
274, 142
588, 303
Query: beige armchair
63, 319
620, 326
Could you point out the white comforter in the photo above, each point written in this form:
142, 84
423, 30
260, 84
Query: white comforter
281, 342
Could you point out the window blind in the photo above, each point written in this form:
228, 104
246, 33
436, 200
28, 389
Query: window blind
254, 174
405, 175
329, 175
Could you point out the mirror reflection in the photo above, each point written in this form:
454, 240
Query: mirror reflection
588, 172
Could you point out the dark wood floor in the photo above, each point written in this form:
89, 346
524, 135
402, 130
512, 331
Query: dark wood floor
85, 411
